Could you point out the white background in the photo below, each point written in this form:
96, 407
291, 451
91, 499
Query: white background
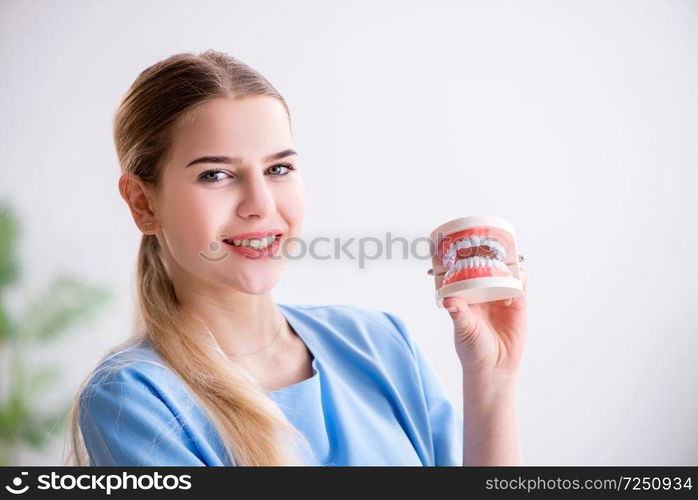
574, 120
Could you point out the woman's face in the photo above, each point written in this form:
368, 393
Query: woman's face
200, 203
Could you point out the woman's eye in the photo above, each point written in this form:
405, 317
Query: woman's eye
210, 176
287, 166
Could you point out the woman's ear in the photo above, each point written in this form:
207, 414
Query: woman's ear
140, 201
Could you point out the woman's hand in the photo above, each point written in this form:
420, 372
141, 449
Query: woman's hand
489, 337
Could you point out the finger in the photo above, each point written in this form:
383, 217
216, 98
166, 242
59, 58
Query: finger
464, 320
523, 276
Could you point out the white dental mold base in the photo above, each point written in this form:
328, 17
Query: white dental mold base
487, 288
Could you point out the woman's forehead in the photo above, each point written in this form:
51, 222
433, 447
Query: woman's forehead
251, 128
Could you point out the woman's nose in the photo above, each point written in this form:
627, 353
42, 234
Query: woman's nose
257, 200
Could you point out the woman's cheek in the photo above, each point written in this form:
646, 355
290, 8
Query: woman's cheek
191, 230
292, 203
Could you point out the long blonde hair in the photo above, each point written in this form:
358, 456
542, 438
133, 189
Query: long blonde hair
252, 427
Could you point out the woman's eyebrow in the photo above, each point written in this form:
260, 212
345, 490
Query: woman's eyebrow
236, 160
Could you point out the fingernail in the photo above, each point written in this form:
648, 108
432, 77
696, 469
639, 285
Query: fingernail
452, 309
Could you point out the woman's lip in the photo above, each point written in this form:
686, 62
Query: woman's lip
255, 234
256, 253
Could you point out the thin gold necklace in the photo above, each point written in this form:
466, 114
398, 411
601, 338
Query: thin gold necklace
276, 335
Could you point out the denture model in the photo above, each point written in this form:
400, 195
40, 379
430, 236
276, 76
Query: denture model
480, 259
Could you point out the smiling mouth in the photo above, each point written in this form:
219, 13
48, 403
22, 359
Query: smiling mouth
254, 243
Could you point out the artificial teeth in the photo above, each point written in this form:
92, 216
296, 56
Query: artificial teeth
449, 258
474, 241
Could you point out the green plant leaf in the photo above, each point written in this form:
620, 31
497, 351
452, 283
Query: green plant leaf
13, 412
9, 229
42, 378
20, 420
66, 302
8, 327
37, 430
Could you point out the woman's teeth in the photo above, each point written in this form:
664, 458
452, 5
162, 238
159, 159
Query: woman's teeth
255, 242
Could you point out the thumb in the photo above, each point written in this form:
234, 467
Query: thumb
464, 320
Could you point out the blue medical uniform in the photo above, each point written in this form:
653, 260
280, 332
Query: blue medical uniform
373, 399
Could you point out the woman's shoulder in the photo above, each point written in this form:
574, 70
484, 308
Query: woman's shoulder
130, 365
134, 410
359, 325
344, 314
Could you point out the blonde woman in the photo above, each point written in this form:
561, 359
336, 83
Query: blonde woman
216, 372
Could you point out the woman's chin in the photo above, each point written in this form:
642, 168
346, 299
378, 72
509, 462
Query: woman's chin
255, 285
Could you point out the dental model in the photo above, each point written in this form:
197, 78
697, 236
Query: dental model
480, 259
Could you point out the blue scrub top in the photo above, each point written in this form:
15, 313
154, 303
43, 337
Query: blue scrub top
373, 399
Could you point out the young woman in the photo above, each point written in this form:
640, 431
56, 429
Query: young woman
216, 372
